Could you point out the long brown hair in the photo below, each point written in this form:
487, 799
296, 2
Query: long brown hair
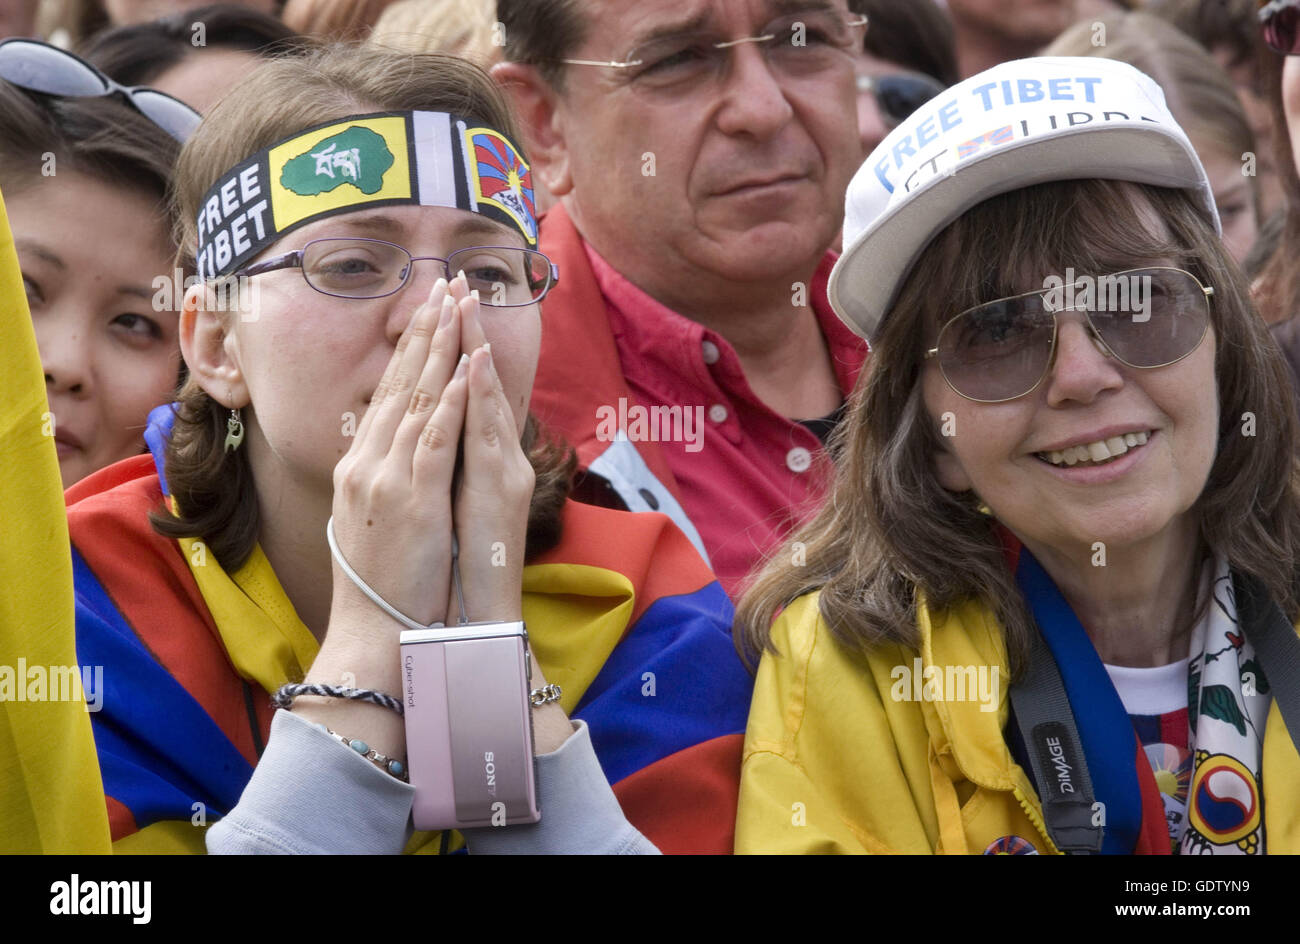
213, 489
890, 530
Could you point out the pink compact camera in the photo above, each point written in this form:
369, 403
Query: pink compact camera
469, 725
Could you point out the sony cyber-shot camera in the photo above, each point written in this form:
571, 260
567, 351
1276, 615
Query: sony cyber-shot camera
469, 725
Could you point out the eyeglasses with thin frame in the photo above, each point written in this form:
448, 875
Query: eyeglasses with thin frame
505, 276
1002, 350
1280, 22
796, 45
899, 94
49, 70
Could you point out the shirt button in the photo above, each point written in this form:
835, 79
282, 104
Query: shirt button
798, 459
710, 352
718, 413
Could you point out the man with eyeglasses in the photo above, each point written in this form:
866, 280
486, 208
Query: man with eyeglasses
699, 152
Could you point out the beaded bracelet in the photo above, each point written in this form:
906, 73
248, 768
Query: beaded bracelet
285, 695
385, 763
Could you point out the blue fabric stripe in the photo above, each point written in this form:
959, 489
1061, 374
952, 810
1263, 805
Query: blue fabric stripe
701, 689
1147, 728
158, 753
156, 434
1104, 727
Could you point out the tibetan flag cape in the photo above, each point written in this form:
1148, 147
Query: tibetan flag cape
623, 615
50, 794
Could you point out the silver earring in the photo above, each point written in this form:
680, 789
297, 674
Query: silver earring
234, 431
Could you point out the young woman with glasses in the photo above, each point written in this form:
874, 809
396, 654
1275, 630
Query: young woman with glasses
1049, 603
375, 234
84, 169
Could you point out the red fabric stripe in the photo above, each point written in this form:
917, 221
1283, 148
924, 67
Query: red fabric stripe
1153, 839
1173, 728
686, 802
121, 822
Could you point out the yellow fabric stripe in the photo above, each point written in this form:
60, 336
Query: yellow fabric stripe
262, 634
51, 795
575, 615
168, 837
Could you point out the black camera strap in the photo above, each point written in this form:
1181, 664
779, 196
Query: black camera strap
1275, 641
1046, 722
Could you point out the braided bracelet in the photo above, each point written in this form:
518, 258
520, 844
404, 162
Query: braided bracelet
285, 695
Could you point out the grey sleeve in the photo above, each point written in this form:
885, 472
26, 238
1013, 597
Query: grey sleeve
580, 814
312, 794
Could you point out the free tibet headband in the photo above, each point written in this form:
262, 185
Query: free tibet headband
421, 158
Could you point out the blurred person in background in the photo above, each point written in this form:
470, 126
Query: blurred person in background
907, 58
67, 22
1095, 8
163, 53
994, 31
334, 20
18, 18
1229, 29
465, 28
85, 182
1277, 289
122, 12
1202, 99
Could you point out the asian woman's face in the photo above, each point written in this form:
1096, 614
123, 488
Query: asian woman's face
307, 363
90, 254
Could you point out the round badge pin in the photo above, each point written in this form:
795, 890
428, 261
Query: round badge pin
1011, 845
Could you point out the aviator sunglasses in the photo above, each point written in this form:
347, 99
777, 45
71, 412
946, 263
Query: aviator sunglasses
49, 70
1280, 21
1144, 318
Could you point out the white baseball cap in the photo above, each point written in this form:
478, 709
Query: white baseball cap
1018, 124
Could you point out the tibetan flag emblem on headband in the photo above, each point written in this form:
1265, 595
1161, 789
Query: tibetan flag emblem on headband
501, 178
417, 158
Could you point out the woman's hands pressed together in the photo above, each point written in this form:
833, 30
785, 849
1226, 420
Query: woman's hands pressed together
398, 500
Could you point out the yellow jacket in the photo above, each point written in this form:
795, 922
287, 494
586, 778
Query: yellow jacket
834, 763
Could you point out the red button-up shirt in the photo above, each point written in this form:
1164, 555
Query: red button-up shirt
743, 474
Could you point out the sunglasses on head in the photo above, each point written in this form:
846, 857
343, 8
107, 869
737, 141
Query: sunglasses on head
900, 94
1143, 318
49, 70
1280, 21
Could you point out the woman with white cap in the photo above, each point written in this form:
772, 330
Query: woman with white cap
1049, 605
